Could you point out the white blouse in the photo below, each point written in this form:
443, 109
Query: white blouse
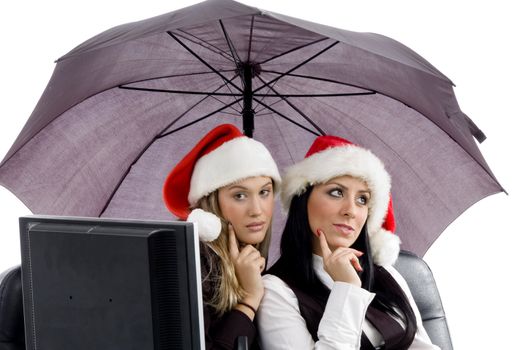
281, 325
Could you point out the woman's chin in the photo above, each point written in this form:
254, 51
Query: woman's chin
341, 242
251, 237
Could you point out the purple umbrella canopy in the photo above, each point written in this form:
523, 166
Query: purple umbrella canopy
124, 107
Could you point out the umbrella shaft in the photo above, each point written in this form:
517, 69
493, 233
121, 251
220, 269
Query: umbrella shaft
248, 112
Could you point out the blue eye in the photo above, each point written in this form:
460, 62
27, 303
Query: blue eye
363, 199
336, 192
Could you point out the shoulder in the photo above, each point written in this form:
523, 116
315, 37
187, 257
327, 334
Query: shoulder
275, 287
278, 299
273, 282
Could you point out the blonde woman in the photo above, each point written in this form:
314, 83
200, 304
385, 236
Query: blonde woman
226, 184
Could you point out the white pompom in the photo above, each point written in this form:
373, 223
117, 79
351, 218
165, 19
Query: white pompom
208, 224
385, 247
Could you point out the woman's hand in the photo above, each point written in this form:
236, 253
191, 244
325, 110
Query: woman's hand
248, 264
342, 263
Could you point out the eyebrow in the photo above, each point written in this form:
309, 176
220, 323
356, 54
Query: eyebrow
236, 187
345, 187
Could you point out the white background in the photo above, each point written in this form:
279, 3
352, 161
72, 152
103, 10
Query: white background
477, 261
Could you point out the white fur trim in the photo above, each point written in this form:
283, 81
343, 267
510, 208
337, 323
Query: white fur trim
208, 224
234, 160
337, 161
385, 247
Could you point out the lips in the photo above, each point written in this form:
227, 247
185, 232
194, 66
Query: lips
256, 226
344, 229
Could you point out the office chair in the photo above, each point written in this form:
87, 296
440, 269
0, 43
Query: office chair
415, 271
424, 290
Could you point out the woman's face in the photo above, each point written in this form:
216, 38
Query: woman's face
248, 206
339, 208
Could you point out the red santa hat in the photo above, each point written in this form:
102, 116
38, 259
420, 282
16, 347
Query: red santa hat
330, 157
221, 157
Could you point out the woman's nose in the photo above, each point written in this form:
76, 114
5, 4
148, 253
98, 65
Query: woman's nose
255, 207
348, 208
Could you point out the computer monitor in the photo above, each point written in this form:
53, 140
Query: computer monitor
93, 283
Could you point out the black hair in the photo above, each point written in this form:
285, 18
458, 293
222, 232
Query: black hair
296, 257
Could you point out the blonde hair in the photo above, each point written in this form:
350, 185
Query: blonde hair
222, 273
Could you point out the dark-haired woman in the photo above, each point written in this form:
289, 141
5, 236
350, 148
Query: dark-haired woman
333, 286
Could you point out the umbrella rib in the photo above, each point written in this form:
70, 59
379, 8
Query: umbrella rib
152, 141
180, 75
215, 98
233, 51
234, 114
292, 50
297, 66
250, 38
292, 121
198, 120
262, 108
201, 41
189, 109
180, 91
263, 114
232, 57
271, 104
203, 61
233, 94
266, 95
318, 95
230, 89
295, 108
316, 78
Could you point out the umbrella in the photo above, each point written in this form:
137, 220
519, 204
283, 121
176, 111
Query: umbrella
123, 107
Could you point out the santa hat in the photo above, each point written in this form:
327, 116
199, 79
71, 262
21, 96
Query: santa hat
331, 156
222, 157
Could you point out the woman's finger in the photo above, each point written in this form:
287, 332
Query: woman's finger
355, 262
340, 251
325, 250
247, 251
344, 251
261, 262
356, 252
232, 241
349, 255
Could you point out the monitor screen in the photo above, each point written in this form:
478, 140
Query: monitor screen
94, 283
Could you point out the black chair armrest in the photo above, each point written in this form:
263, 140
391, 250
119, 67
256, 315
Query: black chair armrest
242, 342
11, 310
